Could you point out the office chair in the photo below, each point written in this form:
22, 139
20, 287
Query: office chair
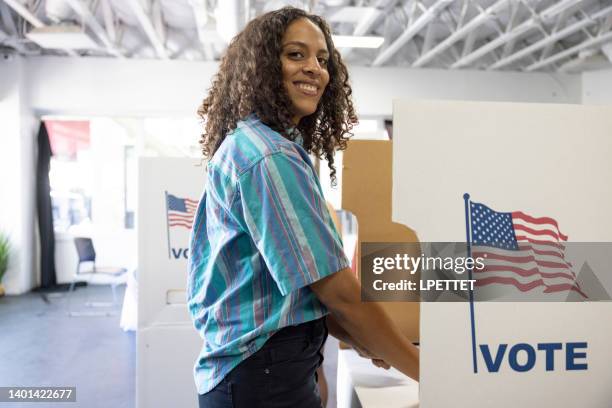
112, 276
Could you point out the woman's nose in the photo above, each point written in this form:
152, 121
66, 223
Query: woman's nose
312, 66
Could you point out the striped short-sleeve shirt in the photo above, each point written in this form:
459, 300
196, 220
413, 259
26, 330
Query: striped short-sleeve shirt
262, 234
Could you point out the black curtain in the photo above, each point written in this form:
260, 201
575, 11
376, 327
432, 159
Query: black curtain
48, 277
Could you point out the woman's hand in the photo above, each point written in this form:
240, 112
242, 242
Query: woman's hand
378, 362
366, 322
338, 332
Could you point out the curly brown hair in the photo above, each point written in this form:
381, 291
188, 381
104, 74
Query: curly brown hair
249, 80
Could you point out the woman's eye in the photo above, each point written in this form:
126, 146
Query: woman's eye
322, 61
296, 54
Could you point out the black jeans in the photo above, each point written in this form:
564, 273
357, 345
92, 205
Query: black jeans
281, 374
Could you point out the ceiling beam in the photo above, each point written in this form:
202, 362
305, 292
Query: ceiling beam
147, 25
571, 29
460, 33
32, 19
411, 31
24, 12
593, 42
510, 36
550, 47
428, 39
109, 20
371, 20
157, 19
11, 41
200, 13
7, 19
89, 19
448, 18
606, 25
512, 24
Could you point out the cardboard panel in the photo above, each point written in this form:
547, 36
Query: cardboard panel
366, 192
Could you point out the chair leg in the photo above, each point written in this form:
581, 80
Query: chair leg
94, 304
105, 304
69, 297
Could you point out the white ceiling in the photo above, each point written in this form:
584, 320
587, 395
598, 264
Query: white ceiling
516, 35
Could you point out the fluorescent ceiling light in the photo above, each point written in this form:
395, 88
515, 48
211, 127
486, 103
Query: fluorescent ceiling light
64, 37
353, 41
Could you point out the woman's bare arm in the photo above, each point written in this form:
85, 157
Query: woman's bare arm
366, 322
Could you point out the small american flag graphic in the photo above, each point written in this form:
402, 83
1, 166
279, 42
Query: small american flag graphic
520, 250
180, 211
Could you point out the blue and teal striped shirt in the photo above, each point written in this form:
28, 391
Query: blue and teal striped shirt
262, 234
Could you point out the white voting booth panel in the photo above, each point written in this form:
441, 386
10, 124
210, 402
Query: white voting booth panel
544, 160
167, 344
166, 355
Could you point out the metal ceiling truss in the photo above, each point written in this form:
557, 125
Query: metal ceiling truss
150, 21
200, 13
512, 46
31, 18
82, 10
523, 35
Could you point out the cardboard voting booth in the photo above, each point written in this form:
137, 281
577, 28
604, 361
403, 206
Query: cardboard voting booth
551, 162
366, 193
167, 343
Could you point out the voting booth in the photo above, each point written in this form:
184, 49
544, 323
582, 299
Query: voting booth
547, 162
530, 161
167, 343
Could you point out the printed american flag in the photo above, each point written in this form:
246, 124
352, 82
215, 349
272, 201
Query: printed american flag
520, 250
180, 211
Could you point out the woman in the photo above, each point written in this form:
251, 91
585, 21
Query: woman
268, 276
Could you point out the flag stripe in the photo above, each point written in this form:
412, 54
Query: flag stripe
545, 256
524, 287
180, 224
521, 259
535, 250
180, 217
536, 232
524, 272
524, 238
541, 220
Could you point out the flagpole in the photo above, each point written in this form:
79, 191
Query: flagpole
466, 198
167, 224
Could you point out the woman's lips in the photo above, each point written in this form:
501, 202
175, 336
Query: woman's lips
306, 88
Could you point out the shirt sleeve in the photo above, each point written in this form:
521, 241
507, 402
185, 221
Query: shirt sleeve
285, 213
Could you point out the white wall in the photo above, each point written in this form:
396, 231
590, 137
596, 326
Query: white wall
17, 169
99, 86
597, 88
113, 87
375, 88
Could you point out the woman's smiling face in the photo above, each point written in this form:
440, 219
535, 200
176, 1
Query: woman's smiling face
304, 59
